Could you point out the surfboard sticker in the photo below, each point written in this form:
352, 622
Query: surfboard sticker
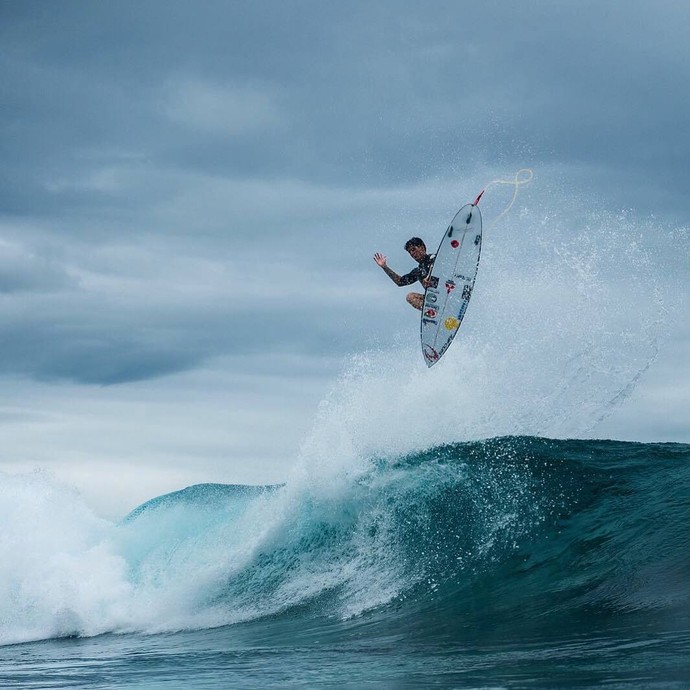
451, 282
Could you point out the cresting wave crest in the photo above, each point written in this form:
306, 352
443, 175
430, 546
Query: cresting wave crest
459, 537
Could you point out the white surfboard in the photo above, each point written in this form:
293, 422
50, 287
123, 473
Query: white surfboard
451, 282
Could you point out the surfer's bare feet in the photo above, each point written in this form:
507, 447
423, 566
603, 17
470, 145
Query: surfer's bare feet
416, 300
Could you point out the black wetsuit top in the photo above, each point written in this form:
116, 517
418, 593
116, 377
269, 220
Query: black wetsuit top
419, 273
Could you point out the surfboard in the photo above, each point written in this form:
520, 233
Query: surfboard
451, 282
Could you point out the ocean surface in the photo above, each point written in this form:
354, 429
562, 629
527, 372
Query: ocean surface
517, 561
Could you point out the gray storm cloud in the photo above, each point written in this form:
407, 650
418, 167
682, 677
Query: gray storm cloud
197, 190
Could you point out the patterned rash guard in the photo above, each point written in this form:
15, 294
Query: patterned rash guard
419, 273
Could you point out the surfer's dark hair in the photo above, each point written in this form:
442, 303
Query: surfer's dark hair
414, 242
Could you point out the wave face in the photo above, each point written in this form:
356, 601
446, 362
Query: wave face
461, 539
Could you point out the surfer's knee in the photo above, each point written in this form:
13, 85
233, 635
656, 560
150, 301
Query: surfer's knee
415, 299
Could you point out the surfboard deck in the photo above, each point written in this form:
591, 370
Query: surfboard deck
451, 282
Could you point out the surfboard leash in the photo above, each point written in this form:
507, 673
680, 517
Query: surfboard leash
516, 182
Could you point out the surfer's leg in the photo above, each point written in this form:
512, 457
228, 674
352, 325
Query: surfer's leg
415, 299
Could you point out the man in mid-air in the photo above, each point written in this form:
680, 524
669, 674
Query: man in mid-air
417, 250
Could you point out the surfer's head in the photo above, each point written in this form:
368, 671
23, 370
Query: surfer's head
416, 248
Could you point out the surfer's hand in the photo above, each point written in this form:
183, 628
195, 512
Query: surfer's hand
380, 259
426, 282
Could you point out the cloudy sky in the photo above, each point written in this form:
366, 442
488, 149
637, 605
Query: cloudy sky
192, 193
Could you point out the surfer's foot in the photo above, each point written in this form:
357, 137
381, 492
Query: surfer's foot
416, 300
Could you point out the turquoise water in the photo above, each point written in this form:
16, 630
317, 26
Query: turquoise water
513, 562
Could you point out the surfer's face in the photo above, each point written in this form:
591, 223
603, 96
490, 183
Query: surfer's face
417, 252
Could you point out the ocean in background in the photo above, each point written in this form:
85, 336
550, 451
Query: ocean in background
509, 562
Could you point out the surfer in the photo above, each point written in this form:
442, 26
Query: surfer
416, 248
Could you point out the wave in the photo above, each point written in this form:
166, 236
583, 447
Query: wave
513, 531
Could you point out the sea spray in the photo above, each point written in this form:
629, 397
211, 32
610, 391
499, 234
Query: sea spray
571, 307
60, 574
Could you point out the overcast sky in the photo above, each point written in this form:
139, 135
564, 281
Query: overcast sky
191, 194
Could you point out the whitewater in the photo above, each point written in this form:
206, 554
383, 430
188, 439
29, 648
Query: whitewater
502, 544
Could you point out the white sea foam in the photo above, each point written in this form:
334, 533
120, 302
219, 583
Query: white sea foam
59, 573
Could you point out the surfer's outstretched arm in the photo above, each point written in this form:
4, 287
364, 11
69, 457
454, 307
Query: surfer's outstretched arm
380, 259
